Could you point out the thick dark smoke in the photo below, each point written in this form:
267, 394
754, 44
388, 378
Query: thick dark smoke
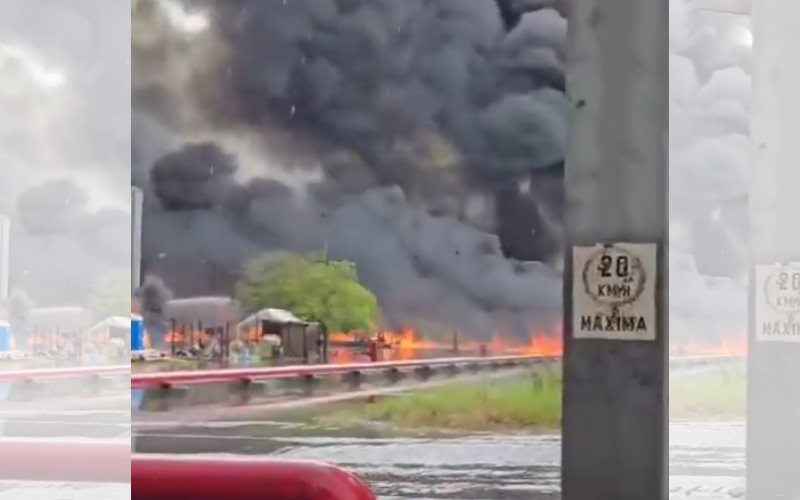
64, 144
711, 156
381, 77
19, 307
60, 246
152, 298
422, 139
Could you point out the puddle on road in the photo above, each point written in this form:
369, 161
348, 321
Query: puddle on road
706, 459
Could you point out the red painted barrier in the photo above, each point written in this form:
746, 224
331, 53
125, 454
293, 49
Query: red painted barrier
60, 373
65, 461
166, 379
148, 380
159, 477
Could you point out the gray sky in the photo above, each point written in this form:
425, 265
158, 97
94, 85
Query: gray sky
65, 83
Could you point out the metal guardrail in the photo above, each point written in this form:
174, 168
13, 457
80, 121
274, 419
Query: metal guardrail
167, 390
155, 477
61, 373
185, 378
700, 361
22, 385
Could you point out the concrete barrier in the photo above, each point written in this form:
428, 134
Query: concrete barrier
71, 461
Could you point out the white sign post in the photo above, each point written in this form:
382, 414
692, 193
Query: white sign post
614, 292
777, 303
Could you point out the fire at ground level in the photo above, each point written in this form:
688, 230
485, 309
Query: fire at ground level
242, 347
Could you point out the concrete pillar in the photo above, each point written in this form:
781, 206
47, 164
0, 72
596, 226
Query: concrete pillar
773, 444
5, 239
616, 343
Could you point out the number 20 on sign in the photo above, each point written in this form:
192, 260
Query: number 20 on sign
777, 307
613, 291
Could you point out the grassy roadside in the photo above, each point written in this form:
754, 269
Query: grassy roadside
714, 394
528, 403
501, 404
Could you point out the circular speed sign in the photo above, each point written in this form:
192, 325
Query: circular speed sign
782, 290
614, 277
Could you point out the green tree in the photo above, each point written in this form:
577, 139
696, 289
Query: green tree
309, 286
111, 295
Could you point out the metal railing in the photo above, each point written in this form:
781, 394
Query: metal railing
197, 377
699, 361
185, 378
61, 373
167, 390
23, 385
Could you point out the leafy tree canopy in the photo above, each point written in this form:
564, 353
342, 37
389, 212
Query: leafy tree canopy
309, 286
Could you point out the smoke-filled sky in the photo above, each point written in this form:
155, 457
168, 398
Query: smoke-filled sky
64, 143
422, 139
711, 157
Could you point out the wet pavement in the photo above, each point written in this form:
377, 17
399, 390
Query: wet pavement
106, 417
706, 459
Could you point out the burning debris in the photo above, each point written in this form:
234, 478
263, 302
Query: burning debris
422, 140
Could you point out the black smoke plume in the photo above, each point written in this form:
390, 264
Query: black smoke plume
153, 297
422, 139
60, 246
65, 144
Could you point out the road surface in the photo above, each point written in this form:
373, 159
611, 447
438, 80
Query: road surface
106, 417
706, 458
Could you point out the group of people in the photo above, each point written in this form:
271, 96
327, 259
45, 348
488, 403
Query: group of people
209, 345
243, 349
72, 347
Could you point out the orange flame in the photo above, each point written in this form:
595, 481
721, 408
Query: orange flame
409, 339
540, 344
728, 346
408, 344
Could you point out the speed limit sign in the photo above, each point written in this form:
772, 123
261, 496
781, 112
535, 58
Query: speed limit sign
777, 307
613, 291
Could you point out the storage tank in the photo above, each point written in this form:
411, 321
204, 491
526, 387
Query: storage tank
211, 312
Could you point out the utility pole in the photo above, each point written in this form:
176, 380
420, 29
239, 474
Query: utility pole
5, 237
615, 281
773, 420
